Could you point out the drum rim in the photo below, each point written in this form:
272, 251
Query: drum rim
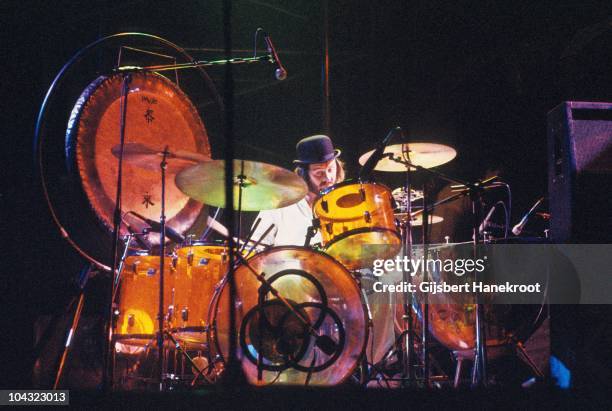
203, 243
348, 182
214, 306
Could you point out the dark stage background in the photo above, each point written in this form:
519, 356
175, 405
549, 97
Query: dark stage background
479, 76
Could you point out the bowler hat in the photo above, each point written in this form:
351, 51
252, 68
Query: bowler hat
315, 149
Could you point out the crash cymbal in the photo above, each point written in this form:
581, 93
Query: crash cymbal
426, 155
265, 186
417, 220
142, 156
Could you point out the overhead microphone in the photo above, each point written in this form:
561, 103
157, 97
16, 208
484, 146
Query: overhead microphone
280, 73
171, 233
517, 229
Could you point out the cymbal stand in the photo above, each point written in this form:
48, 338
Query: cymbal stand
162, 251
408, 354
425, 306
474, 191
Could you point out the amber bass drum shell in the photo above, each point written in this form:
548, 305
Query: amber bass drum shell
159, 115
321, 290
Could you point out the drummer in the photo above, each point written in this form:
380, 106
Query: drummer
318, 164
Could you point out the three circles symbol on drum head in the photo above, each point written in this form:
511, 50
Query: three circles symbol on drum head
275, 338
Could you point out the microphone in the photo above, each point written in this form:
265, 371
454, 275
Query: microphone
485, 222
171, 233
280, 73
377, 155
517, 229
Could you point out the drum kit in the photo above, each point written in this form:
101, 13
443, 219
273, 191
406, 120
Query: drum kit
320, 284
302, 314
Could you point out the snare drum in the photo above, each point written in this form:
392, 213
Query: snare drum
138, 304
357, 223
200, 267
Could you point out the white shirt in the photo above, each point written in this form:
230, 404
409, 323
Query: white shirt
290, 225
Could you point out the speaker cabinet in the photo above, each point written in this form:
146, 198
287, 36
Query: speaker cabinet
580, 172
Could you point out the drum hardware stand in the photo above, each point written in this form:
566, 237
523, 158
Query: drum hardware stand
107, 374
474, 191
78, 311
184, 353
425, 318
365, 376
73, 327
407, 336
162, 251
312, 230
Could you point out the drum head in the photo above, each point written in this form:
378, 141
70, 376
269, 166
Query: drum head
159, 115
320, 290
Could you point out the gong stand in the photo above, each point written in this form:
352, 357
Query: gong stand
107, 374
474, 192
126, 72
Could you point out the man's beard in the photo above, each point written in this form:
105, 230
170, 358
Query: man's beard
316, 189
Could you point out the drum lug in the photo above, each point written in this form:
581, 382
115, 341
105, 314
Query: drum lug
131, 320
190, 259
185, 314
363, 194
170, 312
324, 206
367, 217
329, 228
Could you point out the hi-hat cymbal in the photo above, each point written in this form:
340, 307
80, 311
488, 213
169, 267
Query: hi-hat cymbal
417, 220
264, 186
426, 155
142, 156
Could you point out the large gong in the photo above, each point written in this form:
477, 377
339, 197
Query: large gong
159, 115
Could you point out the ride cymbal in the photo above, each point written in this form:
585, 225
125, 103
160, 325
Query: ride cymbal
426, 155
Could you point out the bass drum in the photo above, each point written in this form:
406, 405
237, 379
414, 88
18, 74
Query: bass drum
321, 291
158, 115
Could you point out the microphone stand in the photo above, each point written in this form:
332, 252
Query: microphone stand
474, 191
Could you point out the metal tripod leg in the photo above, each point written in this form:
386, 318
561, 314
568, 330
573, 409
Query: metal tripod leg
71, 333
522, 354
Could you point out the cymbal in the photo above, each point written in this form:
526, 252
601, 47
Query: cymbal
426, 155
417, 220
142, 156
264, 187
